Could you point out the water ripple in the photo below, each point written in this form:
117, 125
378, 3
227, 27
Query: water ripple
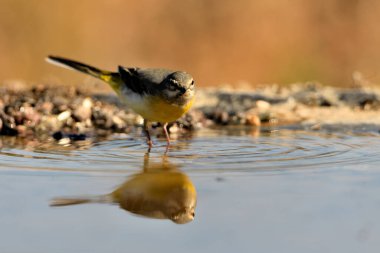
210, 151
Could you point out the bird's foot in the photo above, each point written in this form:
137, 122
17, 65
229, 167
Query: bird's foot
150, 145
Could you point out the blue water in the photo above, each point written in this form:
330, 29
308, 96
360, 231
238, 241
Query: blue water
281, 191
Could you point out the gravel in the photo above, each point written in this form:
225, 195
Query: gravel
74, 114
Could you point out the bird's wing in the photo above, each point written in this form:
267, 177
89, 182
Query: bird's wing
143, 81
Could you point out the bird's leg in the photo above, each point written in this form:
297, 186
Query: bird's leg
166, 135
148, 139
146, 161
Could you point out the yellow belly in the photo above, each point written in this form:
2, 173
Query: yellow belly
157, 110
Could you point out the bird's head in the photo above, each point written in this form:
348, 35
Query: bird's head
179, 87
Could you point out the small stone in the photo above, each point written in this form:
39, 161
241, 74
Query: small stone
79, 127
316, 127
102, 117
70, 122
265, 116
19, 119
87, 102
49, 123
64, 115
88, 123
46, 108
174, 128
60, 104
77, 137
262, 105
253, 120
82, 113
39, 88
8, 125
21, 130
118, 123
139, 120
1, 104
62, 108
30, 115
64, 141
221, 117
57, 135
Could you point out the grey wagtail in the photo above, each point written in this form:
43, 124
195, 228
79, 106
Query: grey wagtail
159, 191
157, 94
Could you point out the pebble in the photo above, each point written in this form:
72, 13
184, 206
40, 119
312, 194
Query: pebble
59, 135
118, 123
83, 111
64, 115
262, 105
64, 141
49, 123
46, 108
8, 125
68, 114
253, 120
221, 117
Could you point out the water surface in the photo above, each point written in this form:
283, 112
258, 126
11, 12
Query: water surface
268, 191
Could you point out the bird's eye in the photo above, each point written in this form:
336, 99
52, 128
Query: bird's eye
172, 87
192, 83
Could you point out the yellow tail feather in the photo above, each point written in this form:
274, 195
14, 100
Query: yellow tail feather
112, 78
81, 200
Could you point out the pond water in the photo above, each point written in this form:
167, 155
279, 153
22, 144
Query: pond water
255, 191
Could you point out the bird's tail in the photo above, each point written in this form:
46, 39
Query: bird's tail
113, 78
81, 200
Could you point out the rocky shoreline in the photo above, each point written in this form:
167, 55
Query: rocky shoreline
69, 112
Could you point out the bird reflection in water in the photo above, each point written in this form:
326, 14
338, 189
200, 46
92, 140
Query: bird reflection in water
160, 191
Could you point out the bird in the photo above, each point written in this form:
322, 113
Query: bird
160, 191
157, 94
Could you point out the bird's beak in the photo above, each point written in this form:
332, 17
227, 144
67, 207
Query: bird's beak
187, 94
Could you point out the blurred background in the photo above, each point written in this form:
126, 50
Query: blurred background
219, 42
